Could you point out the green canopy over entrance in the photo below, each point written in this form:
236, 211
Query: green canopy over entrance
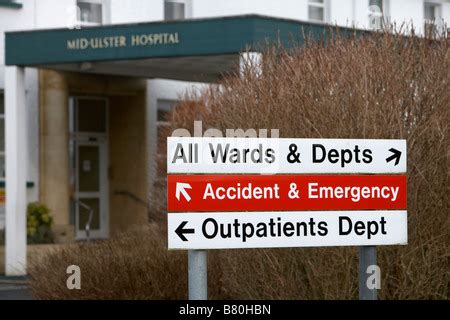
195, 50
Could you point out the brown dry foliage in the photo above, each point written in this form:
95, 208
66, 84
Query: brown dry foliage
135, 265
382, 86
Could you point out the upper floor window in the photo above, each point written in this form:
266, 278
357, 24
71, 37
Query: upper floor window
432, 17
92, 12
379, 15
175, 9
318, 10
164, 113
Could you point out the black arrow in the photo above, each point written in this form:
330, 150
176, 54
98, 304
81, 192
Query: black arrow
180, 231
396, 155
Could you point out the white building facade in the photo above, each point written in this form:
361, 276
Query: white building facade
156, 94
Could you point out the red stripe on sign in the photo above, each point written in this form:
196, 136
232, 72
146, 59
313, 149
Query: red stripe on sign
285, 192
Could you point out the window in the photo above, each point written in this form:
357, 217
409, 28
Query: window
379, 17
432, 18
163, 127
2, 136
91, 12
174, 10
318, 10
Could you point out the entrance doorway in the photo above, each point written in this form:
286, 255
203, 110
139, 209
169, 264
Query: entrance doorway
89, 166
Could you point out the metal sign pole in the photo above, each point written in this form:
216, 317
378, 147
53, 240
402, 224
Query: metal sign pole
367, 257
198, 274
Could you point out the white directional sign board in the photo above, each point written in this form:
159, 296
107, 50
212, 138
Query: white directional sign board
277, 156
253, 192
224, 230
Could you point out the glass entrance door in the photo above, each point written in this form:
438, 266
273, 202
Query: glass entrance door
90, 204
89, 167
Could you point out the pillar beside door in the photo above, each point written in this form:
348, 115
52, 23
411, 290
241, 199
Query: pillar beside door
54, 165
15, 154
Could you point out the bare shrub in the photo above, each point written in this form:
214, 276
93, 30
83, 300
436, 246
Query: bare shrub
135, 265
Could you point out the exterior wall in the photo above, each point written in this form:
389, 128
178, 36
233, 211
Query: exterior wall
131, 11
14, 19
360, 15
23, 19
46, 14
128, 158
446, 13
32, 103
293, 9
343, 12
53, 14
408, 12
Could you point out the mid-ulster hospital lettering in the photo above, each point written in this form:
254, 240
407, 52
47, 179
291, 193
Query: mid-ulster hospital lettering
118, 41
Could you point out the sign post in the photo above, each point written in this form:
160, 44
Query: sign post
226, 193
367, 258
198, 274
